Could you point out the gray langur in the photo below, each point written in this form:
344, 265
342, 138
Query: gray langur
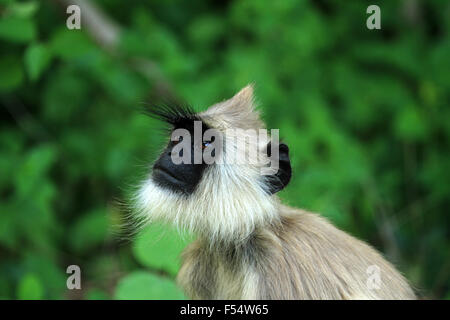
249, 245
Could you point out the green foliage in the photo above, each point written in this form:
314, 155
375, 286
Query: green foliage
89, 231
146, 286
364, 112
17, 29
159, 247
30, 288
37, 59
11, 73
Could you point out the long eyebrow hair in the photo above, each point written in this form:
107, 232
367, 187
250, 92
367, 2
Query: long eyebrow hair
173, 113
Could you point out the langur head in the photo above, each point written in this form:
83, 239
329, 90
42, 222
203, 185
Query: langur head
219, 172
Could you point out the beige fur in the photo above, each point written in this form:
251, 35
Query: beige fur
249, 245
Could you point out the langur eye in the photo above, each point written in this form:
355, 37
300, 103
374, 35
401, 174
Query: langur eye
180, 138
205, 144
208, 142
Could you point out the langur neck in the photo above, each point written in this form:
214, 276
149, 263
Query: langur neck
238, 235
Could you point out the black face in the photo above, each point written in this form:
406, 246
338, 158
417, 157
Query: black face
182, 178
185, 177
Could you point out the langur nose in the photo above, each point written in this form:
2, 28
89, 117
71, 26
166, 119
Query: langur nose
171, 154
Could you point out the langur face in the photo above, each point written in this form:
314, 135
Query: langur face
181, 176
224, 199
180, 170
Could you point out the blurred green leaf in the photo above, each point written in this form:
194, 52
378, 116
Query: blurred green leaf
89, 231
7, 2
96, 294
410, 125
33, 168
49, 272
69, 44
141, 285
159, 247
17, 29
23, 9
206, 30
30, 288
11, 73
37, 59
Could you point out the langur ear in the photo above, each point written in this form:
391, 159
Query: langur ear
242, 103
239, 111
244, 98
279, 180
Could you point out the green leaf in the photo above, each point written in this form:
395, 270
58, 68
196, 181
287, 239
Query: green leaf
6, 2
69, 44
206, 30
23, 9
159, 247
11, 73
30, 288
34, 167
37, 59
96, 294
90, 230
17, 29
48, 271
410, 125
142, 285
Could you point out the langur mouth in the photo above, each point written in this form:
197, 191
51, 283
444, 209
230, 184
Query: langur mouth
161, 174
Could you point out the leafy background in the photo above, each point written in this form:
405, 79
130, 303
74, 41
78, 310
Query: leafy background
365, 113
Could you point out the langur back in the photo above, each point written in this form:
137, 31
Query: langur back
304, 257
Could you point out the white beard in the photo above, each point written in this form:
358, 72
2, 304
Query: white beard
228, 204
